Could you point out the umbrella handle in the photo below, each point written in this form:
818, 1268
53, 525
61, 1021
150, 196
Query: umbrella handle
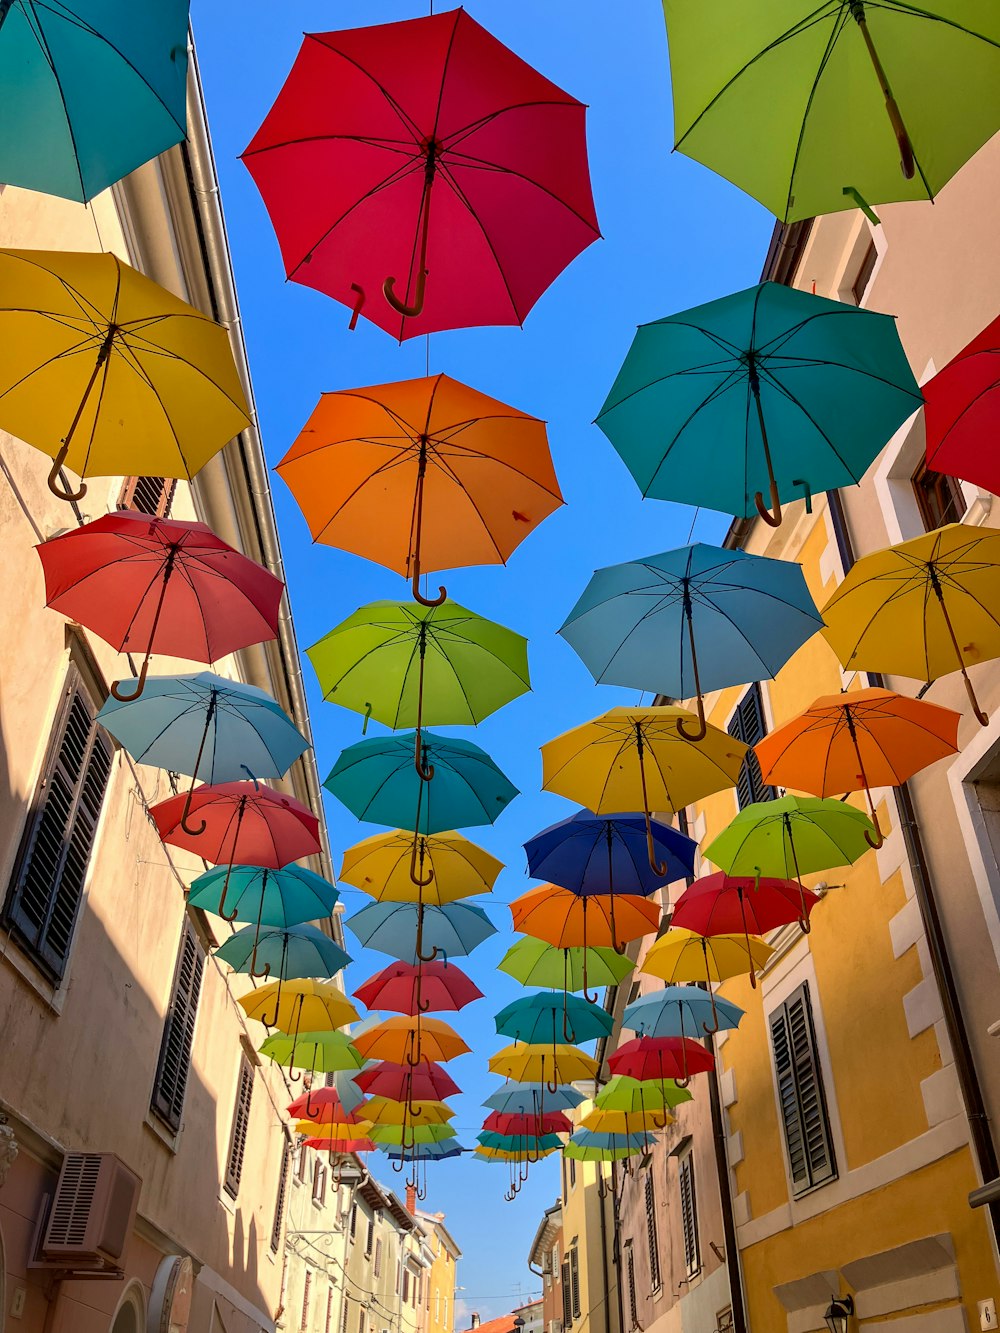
772, 516
415, 875
397, 1163
227, 916
879, 838
420, 287
699, 733
310, 1113
193, 830
411, 311
116, 689
357, 306
260, 976
426, 771
54, 481
702, 728
657, 867
168, 569
418, 595
981, 717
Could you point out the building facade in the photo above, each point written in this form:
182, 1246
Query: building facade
439, 1286
545, 1260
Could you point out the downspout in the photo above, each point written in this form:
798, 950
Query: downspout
602, 1050
726, 1200
604, 1253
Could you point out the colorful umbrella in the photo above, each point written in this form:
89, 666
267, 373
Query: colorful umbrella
680, 956
376, 126
322, 1106
535, 963
326, 1052
418, 934
770, 389
962, 412
385, 1111
752, 904
680, 1011
216, 730
299, 1006
593, 854
539, 1064
551, 1122
421, 475
587, 1145
563, 919
922, 608
456, 868
537, 1018
626, 1122
645, 623
622, 1093
411, 1041
340, 1091
156, 585
657, 1059
400, 1082
526, 1145
264, 897
409, 988
105, 371
533, 1099
849, 742
407, 1136
849, 102
92, 93
636, 759
285, 953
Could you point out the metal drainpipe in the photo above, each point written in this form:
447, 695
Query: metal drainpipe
604, 1257
944, 975
726, 1199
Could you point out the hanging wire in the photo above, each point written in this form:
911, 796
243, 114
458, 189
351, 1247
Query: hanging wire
694, 520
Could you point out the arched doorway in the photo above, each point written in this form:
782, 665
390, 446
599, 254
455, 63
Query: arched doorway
130, 1317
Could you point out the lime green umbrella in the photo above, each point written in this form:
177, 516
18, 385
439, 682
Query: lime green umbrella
817, 107
535, 963
622, 1093
406, 665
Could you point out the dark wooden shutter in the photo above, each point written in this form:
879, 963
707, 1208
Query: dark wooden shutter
689, 1215
148, 495
329, 1310
802, 1101
178, 1032
44, 900
378, 1258
747, 725
344, 1311
651, 1236
369, 1237
241, 1123
306, 1292
633, 1309
567, 1295
574, 1270
319, 1184
279, 1207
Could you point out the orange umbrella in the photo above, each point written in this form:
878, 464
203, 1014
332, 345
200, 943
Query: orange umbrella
423, 474
410, 1040
852, 742
560, 917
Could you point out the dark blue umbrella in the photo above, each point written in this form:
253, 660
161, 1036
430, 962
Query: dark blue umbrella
596, 854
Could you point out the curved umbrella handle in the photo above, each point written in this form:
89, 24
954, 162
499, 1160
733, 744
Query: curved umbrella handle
54, 480
418, 595
397, 1163
116, 689
415, 875
311, 1114
193, 830
262, 975
419, 291
772, 516
426, 771
227, 916
658, 867
420, 287
701, 730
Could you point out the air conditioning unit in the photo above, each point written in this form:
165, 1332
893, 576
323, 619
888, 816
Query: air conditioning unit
90, 1217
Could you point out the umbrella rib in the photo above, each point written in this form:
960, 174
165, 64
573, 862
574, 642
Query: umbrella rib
463, 198
404, 119
39, 34
105, 370
732, 381
470, 163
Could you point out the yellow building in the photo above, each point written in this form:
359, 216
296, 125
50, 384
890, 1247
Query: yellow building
590, 1288
438, 1287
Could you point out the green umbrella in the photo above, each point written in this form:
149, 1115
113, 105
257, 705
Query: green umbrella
622, 1093
406, 665
326, 1051
535, 963
817, 107
588, 1145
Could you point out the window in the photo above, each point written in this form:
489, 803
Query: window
329, 1311
344, 1312
399, 1275
302, 1166
864, 274
446, 1311
354, 1220
939, 498
378, 1258
306, 1290
47, 887
689, 1215
241, 1123
633, 1311
147, 495
572, 1172
178, 1032
724, 1320
437, 1306
406, 1285
279, 1207
418, 1285
801, 1100
369, 1237
319, 1184
651, 1237
574, 1280
567, 1295
747, 725
361, 1319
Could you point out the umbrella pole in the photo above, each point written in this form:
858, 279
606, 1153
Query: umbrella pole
510, 1194
421, 956
260, 919
711, 994
879, 838
609, 836
195, 829
231, 916
681, 1082
388, 287
770, 516
746, 934
103, 353
906, 159
273, 1023
418, 508
658, 868
417, 861
426, 771
261, 976
805, 925
591, 999
168, 569
981, 717
295, 1041
699, 733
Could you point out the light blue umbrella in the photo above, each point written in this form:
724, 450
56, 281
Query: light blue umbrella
553, 1016
285, 897
680, 1011
405, 930
533, 1099
297, 951
91, 90
590, 1145
698, 618
213, 729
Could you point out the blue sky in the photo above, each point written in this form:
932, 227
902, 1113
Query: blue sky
675, 236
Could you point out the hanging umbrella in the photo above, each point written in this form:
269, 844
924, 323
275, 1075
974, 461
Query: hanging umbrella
922, 608
847, 742
681, 956
680, 1011
562, 918
626, 1122
410, 988
377, 128
155, 585
645, 623
401, 1082
540, 1064
285, 953
529, 1099
659, 1059
537, 1018
340, 1091
589, 853
636, 759
216, 730
422, 475
552, 1122
456, 867
339, 1140
586, 1145
847, 102
104, 370
526, 1145
92, 93
962, 412
245, 823
385, 1111
407, 1136
264, 897
411, 1040
622, 1093
750, 904
770, 389
300, 1006
407, 665
406, 930
313, 1052
535, 963
322, 1106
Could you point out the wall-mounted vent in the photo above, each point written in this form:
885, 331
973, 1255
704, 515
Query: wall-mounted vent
92, 1213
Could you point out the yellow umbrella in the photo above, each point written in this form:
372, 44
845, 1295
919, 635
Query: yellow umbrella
108, 373
682, 956
923, 609
382, 1111
627, 1122
300, 1006
548, 1064
381, 866
505, 1155
333, 1132
638, 759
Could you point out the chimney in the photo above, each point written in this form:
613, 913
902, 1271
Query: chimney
475, 1319
411, 1199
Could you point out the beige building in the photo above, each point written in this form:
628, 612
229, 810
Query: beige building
121, 1034
545, 1261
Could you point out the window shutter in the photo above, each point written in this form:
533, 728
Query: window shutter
178, 1032
574, 1269
800, 1093
370, 1237
406, 1285
47, 889
748, 726
307, 1287
689, 1215
354, 1220
279, 1207
633, 1310
361, 1319
329, 1310
651, 1236
567, 1296
241, 1123
344, 1313
319, 1184
148, 495
378, 1257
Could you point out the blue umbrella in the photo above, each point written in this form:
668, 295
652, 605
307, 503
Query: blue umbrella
297, 951
285, 897
213, 729
680, 1011
533, 1099
534, 1018
590, 1145
698, 618
91, 90
428, 1152
607, 854
403, 930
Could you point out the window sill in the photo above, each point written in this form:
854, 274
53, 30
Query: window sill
159, 1130
52, 995
228, 1202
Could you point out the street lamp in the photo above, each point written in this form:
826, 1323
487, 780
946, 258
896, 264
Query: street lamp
838, 1314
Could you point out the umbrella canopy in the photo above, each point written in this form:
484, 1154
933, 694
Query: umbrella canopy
333, 1134
680, 1011
343, 1095
411, 1040
301, 1005
340, 1146
622, 1093
587, 1145
962, 412
752, 904
487, 1153
415, 934
105, 371
385, 1111
535, 963
551, 1122
527, 1144
422, 475
695, 619
377, 781
285, 897
815, 111
408, 1135
455, 867
657, 1059
681, 955
533, 1099
410, 988
627, 1122
320, 1052
543, 1064
768, 391
422, 1152
283, 952
922, 608
424, 174
93, 92
851, 742
539, 1017
399, 1082
562, 918
590, 853
155, 585
637, 759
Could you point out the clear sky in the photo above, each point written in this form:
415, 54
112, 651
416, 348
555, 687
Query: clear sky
675, 236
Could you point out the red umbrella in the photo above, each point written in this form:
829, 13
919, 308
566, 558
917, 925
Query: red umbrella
654, 1059
148, 585
245, 823
550, 1122
423, 172
311, 1104
399, 1083
731, 905
962, 413
409, 988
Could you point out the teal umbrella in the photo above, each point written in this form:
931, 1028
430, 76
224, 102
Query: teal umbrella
770, 389
296, 951
553, 1016
91, 90
404, 930
285, 897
